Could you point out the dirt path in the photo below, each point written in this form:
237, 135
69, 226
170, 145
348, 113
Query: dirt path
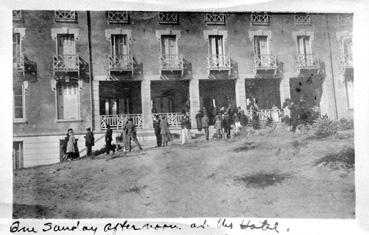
252, 176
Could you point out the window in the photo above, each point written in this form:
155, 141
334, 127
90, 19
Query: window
260, 46
65, 44
17, 51
304, 47
344, 20
168, 45
68, 100
347, 47
119, 45
17, 154
350, 93
19, 100
113, 106
163, 105
66, 51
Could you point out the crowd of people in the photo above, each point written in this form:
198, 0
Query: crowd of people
224, 120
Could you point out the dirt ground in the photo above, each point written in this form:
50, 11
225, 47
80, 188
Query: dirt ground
253, 175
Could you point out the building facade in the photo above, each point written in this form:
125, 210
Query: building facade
76, 69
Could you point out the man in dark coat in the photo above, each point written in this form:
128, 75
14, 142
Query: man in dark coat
198, 120
89, 141
227, 125
156, 125
108, 139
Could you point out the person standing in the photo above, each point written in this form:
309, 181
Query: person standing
70, 147
226, 125
89, 141
156, 126
164, 131
205, 125
132, 134
184, 131
218, 126
198, 120
108, 139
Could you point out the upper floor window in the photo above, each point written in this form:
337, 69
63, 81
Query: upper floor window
119, 45
67, 100
118, 17
304, 46
66, 45
17, 15
347, 47
66, 16
168, 18
169, 45
19, 101
260, 19
216, 46
302, 19
261, 45
17, 50
215, 18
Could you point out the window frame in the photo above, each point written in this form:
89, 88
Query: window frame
24, 118
78, 118
21, 155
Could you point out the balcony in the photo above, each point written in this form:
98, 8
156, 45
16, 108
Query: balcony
306, 63
120, 64
63, 64
18, 65
219, 63
346, 62
265, 63
171, 63
66, 16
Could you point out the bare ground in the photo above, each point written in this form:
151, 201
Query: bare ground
259, 175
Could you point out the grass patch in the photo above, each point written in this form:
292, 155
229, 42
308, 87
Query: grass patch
262, 180
343, 159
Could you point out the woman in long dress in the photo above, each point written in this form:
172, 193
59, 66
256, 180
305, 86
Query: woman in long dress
164, 131
70, 146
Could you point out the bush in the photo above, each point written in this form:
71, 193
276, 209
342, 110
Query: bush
343, 159
323, 127
345, 124
304, 129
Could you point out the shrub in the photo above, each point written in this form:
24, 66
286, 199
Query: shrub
324, 127
345, 124
304, 129
343, 159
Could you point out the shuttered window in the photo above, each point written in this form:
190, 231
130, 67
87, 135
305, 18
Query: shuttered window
119, 45
68, 100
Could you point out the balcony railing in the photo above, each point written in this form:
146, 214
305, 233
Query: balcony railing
65, 16
66, 63
120, 63
116, 122
171, 62
346, 61
306, 62
18, 64
265, 62
219, 62
174, 119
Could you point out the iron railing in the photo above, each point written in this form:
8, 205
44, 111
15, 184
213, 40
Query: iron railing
120, 63
306, 61
346, 61
18, 64
66, 63
219, 62
265, 62
116, 122
171, 62
174, 119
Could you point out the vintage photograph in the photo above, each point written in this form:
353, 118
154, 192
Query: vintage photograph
149, 114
